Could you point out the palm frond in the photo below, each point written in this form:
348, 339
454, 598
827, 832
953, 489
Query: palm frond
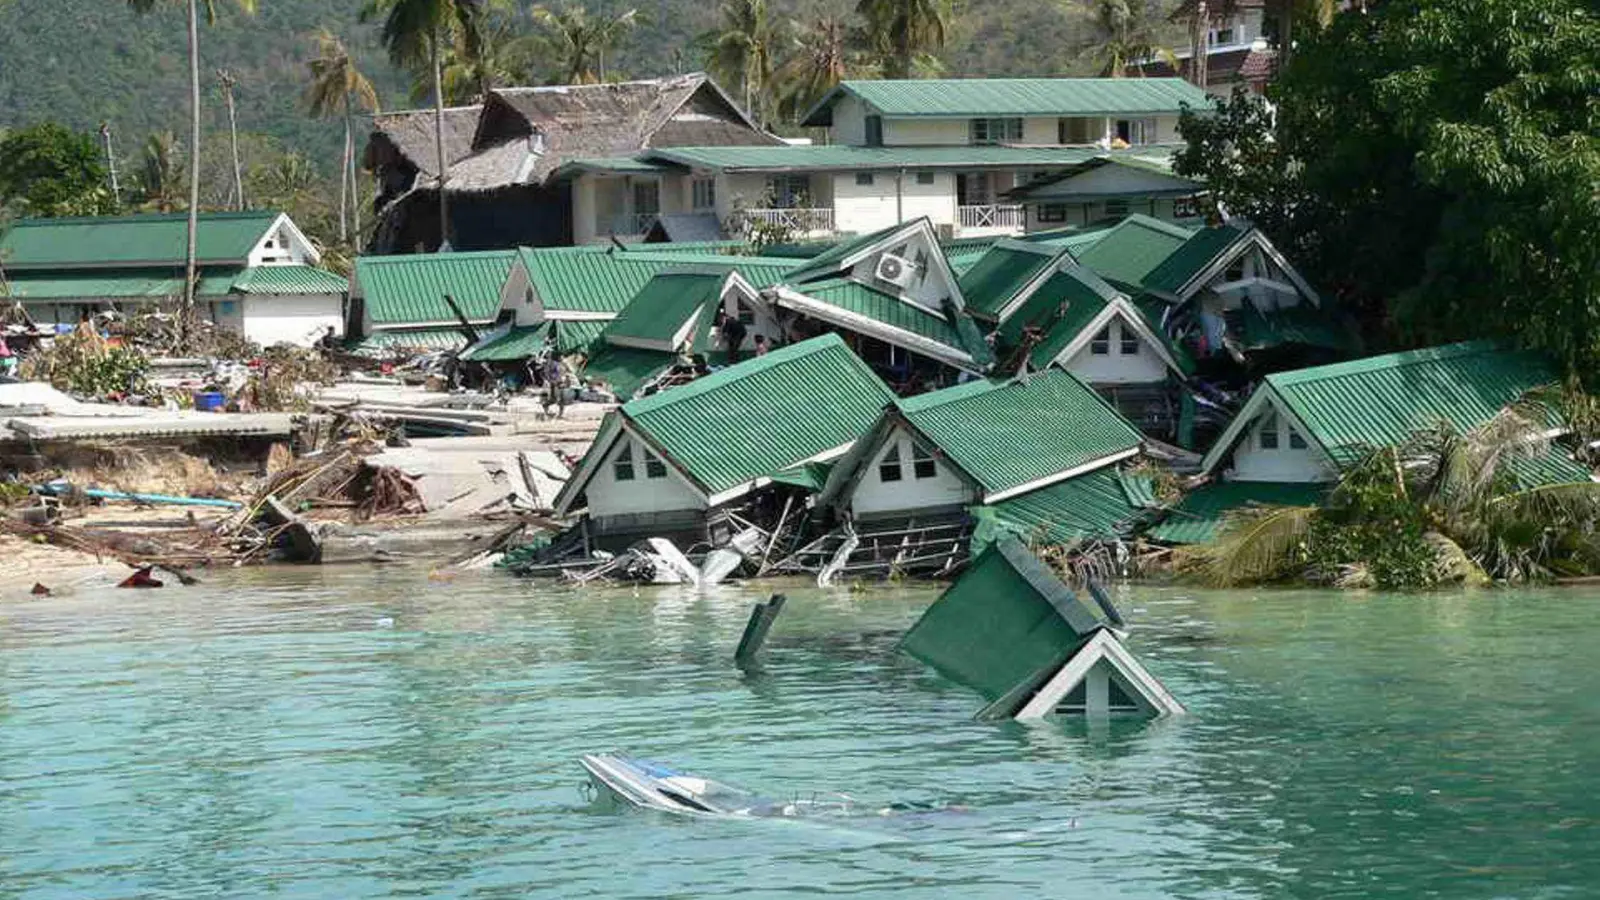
1254, 544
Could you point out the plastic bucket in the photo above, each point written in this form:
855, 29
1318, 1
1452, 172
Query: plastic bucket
208, 401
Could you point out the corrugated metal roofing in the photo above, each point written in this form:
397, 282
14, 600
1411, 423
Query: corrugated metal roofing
576, 337
626, 369
605, 282
109, 241
844, 157
1133, 248
518, 343
410, 289
1382, 400
103, 284
1306, 325
1003, 271
1199, 251
1009, 433
972, 97
659, 311
295, 279
1005, 625
383, 343
1195, 519
1554, 466
826, 263
763, 415
1094, 506
855, 297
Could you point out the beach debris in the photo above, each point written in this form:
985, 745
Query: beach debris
141, 578
755, 631
39, 590
1012, 630
298, 542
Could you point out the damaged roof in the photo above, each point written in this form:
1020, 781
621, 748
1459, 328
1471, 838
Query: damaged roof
1196, 518
1001, 274
409, 289
1137, 245
411, 133
1106, 504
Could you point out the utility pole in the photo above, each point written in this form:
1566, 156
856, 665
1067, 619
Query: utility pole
228, 81
111, 162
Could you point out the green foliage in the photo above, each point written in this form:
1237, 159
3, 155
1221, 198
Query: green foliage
1434, 165
84, 363
49, 170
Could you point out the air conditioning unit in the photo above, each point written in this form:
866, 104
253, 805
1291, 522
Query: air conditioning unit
896, 270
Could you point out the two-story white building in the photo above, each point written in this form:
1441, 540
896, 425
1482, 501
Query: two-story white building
950, 150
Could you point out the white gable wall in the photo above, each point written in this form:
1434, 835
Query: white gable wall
875, 497
281, 246
1292, 460
298, 319
1116, 367
643, 494
928, 291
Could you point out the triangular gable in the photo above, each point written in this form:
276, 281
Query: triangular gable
1265, 400
707, 90
284, 243
1120, 309
930, 283
1102, 657
1204, 261
1064, 264
845, 476
615, 428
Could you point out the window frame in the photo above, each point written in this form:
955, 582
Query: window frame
655, 468
865, 179
1100, 344
1269, 426
927, 178
1127, 338
1051, 213
893, 462
873, 130
703, 193
922, 461
623, 462
993, 131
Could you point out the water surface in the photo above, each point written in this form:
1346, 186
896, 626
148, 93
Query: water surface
374, 733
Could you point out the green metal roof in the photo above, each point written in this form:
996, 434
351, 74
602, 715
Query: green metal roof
1005, 434
1382, 400
810, 476
518, 343
626, 369
1155, 174
1004, 626
765, 414
91, 285
1199, 251
845, 157
605, 282
295, 279
855, 297
128, 241
1305, 325
576, 337
1133, 248
827, 262
609, 165
381, 343
1554, 466
665, 305
1195, 519
410, 289
1093, 506
973, 97
1001, 274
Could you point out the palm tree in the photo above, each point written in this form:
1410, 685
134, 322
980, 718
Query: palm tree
193, 11
578, 42
822, 57
337, 86
743, 50
160, 171
414, 31
1125, 36
900, 30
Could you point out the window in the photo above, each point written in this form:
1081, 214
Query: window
925, 178
974, 189
1267, 437
889, 469
1186, 208
789, 191
705, 193
653, 467
1079, 130
646, 198
1053, 212
1129, 345
922, 463
874, 131
1101, 344
995, 131
743, 313
864, 179
1221, 36
1296, 442
1136, 131
622, 468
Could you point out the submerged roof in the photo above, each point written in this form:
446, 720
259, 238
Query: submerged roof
1019, 434
410, 288
225, 238
1196, 518
1105, 504
970, 97
1133, 248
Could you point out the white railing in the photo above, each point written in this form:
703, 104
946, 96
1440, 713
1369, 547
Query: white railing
991, 216
630, 223
805, 220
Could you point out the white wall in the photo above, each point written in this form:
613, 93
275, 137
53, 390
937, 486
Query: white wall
921, 132
281, 247
583, 206
874, 497
292, 319
850, 122
742, 189
1252, 462
609, 497
866, 208
929, 291
1143, 367
1167, 130
1040, 130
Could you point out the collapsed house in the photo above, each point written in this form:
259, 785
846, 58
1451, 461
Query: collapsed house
1301, 429
687, 464
1011, 630
397, 303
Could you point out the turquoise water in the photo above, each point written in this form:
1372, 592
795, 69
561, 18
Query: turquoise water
371, 733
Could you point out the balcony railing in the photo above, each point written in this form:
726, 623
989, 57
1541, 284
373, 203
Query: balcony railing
802, 220
991, 216
629, 223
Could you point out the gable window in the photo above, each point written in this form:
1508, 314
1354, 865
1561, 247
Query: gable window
1267, 437
995, 131
1052, 212
864, 179
1129, 345
654, 468
889, 469
922, 463
1296, 442
925, 178
789, 191
705, 193
1100, 345
874, 131
622, 467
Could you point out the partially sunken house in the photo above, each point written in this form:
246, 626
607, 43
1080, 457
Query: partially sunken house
1011, 630
1301, 429
258, 274
397, 303
502, 190
674, 464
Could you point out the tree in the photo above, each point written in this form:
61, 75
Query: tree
493, 54
49, 170
192, 9
901, 30
743, 51
337, 86
1433, 166
413, 31
822, 57
577, 42
1124, 35
159, 174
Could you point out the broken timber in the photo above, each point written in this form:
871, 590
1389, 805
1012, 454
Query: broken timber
755, 631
